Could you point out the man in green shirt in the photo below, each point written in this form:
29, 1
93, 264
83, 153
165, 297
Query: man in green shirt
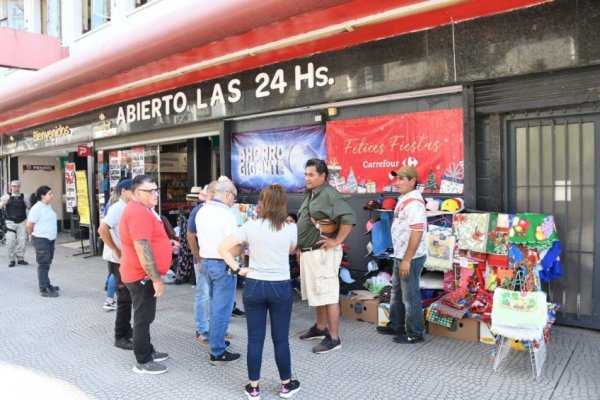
325, 220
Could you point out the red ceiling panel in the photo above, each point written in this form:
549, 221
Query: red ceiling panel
19, 110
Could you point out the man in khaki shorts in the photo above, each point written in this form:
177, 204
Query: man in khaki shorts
324, 221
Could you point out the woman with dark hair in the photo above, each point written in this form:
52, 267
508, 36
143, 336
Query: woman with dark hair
268, 289
41, 227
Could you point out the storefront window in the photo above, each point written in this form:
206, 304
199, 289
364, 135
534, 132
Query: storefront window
173, 178
114, 165
171, 175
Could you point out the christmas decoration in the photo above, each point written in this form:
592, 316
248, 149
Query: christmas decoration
431, 183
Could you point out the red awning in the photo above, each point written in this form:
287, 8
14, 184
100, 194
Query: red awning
195, 43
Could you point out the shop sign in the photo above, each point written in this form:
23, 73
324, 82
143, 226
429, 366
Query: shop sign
70, 189
51, 134
201, 100
104, 129
83, 151
279, 156
38, 167
362, 152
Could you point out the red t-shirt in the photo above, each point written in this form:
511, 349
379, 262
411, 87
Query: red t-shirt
140, 223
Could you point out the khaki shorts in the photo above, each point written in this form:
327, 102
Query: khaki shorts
319, 270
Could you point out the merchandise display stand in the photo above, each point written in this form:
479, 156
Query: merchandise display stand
536, 349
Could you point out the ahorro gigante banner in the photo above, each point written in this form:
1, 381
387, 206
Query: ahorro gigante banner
279, 156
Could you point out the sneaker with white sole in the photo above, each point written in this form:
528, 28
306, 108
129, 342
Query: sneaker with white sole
327, 345
157, 356
314, 333
151, 367
202, 338
224, 358
110, 306
287, 390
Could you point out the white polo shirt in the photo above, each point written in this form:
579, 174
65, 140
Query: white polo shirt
214, 222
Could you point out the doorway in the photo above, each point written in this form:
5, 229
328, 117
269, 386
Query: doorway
551, 168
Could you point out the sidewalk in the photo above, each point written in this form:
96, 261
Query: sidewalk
62, 349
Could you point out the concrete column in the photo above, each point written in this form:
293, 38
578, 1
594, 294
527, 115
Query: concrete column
33, 16
71, 14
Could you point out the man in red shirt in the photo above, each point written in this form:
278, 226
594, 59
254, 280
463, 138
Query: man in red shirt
146, 253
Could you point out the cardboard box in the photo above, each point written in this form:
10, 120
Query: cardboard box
383, 314
362, 310
467, 329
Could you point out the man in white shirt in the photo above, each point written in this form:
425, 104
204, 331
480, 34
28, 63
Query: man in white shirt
214, 222
109, 232
408, 227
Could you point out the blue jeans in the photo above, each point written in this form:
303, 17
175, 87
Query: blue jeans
110, 285
274, 297
201, 314
405, 304
44, 253
221, 288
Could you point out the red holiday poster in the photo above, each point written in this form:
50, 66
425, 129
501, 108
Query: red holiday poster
361, 152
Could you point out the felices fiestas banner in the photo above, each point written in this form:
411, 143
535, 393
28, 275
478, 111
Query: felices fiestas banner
279, 156
361, 152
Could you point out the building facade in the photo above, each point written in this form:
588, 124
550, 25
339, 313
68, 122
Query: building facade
503, 106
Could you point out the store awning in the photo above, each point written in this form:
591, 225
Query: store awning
194, 44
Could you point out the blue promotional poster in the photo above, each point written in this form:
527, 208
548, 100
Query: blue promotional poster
267, 157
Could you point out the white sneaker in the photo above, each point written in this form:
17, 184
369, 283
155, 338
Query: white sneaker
110, 306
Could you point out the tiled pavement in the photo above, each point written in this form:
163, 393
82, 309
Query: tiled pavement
62, 349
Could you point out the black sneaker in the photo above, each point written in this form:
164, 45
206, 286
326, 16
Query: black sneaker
54, 288
237, 312
408, 339
314, 333
252, 392
327, 345
11, 264
388, 330
151, 367
48, 293
158, 356
22, 262
223, 358
124, 343
287, 390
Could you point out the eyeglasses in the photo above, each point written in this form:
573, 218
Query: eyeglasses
151, 191
234, 196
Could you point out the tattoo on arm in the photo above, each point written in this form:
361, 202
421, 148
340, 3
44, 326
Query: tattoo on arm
146, 257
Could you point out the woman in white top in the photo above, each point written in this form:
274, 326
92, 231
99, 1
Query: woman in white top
42, 230
268, 289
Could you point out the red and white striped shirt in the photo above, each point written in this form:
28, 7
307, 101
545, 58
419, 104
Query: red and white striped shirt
409, 215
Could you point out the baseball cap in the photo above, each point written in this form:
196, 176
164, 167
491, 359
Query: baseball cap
369, 226
389, 203
345, 275
406, 171
372, 205
124, 184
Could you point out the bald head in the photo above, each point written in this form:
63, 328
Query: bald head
226, 192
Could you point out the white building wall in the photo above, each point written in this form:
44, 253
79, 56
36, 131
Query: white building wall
124, 17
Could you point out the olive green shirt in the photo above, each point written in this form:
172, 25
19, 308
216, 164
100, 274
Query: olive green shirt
323, 202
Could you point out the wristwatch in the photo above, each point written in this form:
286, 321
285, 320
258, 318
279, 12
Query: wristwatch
237, 271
